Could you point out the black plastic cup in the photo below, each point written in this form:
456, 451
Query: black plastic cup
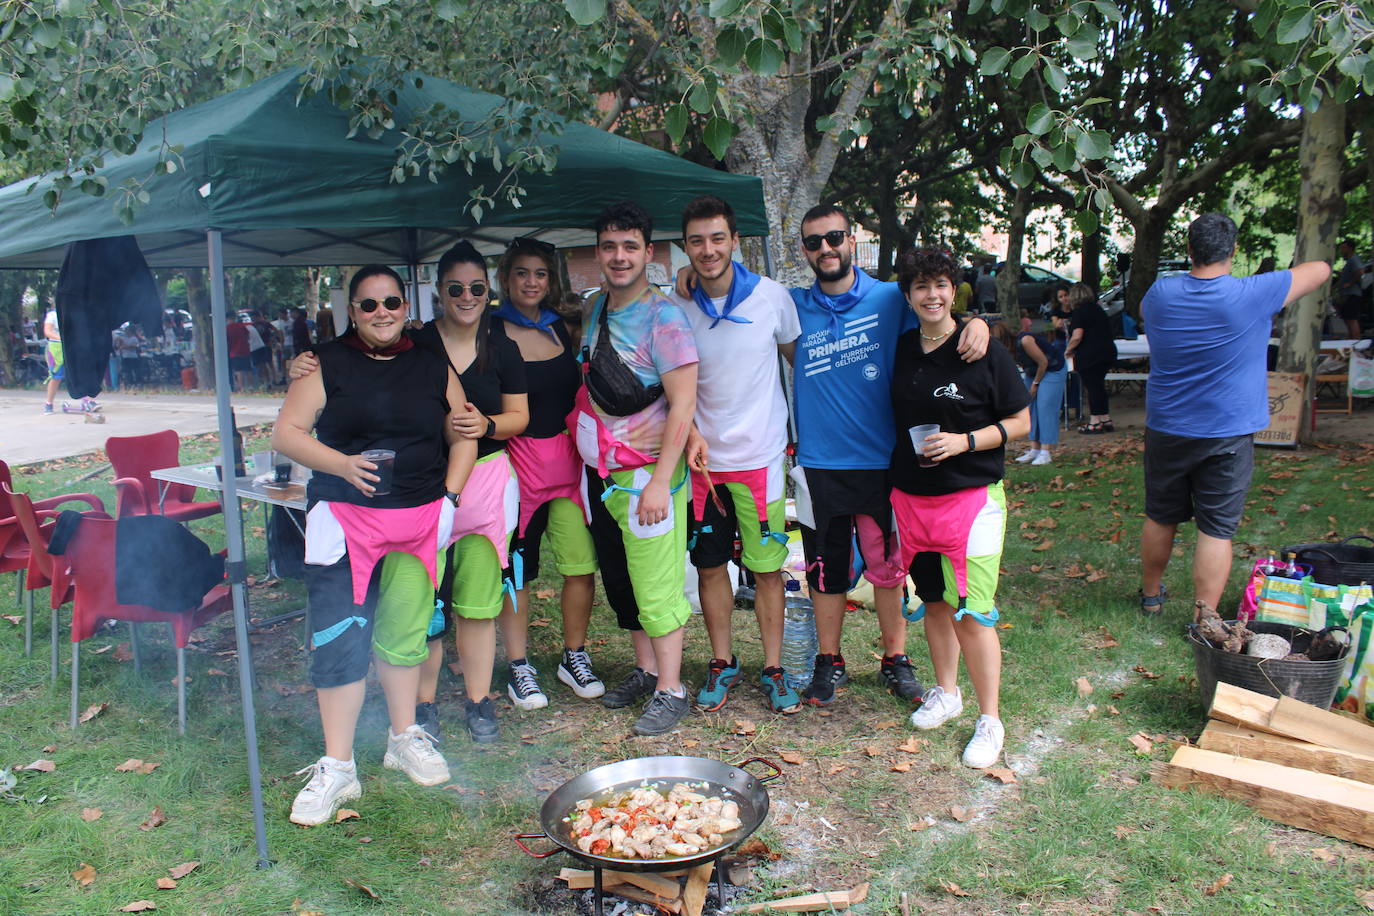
385, 460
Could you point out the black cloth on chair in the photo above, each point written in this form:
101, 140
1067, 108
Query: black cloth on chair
160, 564
103, 283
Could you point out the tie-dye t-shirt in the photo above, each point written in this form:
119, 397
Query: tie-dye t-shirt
652, 336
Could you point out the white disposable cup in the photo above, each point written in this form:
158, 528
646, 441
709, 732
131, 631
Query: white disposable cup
918, 442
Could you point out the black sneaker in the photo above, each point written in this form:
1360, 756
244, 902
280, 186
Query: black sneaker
828, 675
638, 683
482, 721
662, 713
576, 671
427, 717
899, 679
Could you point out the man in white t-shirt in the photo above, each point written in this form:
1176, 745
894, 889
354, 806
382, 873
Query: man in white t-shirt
741, 322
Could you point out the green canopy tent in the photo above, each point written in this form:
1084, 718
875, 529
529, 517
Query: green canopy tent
264, 178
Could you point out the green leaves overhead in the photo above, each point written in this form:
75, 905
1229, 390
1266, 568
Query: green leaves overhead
585, 12
717, 136
1295, 26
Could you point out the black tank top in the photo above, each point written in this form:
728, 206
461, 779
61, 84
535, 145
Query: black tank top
396, 403
552, 388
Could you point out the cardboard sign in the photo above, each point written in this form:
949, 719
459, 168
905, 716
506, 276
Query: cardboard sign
1286, 393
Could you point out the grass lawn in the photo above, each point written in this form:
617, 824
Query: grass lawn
1079, 830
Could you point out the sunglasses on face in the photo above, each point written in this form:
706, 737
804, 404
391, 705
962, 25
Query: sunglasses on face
390, 303
834, 238
456, 290
531, 244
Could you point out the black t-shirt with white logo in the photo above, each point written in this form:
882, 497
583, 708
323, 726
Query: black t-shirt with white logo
939, 387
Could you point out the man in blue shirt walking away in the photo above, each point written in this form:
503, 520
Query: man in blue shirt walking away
1206, 398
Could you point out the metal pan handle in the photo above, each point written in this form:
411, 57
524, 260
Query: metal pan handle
777, 770
519, 837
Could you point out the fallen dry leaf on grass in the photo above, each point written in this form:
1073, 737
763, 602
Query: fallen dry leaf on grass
1113, 710
364, 839
959, 813
792, 757
902, 767
122, 654
911, 745
886, 724
362, 887
1097, 575
873, 750
91, 814
50, 748
1084, 687
215, 672
757, 847
1322, 854
1047, 523
1108, 641
1001, 774
745, 727
1074, 572
1145, 673
84, 875
13, 618
545, 593
166, 884
950, 887
1120, 831
42, 766
346, 814
1142, 742
1366, 897
690, 742
182, 870
1271, 849
155, 819
1217, 885
92, 711
834, 768
1042, 546
138, 906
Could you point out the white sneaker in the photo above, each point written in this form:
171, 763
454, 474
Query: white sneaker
523, 689
413, 753
937, 707
985, 748
1027, 456
329, 787
1042, 458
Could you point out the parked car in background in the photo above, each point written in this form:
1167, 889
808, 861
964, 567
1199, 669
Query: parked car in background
1114, 299
1034, 285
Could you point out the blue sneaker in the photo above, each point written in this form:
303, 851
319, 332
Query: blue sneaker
781, 696
720, 677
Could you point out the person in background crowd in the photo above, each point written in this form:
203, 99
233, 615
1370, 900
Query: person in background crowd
1349, 293
631, 422
963, 293
282, 325
1041, 358
951, 511
742, 323
1206, 398
240, 353
1093, 351
263, 371
374, 389
300, 334
324, 324
53, 357
985, 288
549, 472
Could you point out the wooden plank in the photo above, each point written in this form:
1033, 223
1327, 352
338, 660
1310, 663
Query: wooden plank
1306, 722
694, 893
630, 892
1342, 808
811, 903
1225, 738
579, 879
1242, 707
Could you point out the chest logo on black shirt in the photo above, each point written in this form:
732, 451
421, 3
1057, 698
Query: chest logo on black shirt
950, 391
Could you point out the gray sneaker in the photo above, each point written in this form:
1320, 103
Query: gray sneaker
638, 683
662, 713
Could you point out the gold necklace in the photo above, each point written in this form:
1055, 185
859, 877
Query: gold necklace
925, 336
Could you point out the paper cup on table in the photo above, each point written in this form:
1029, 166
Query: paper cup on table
918, 442
385, 460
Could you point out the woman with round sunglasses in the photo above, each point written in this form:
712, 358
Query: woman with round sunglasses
549, 471
376, 424
471, 594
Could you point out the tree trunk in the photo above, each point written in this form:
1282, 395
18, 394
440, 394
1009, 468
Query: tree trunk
1008, 300
12, 286
1092, 259
1149, 240
312, 290
889, 229
202, 328
1320, 207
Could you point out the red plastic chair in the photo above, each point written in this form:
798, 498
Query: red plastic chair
14, 546
134, 459
90, 566
35, 527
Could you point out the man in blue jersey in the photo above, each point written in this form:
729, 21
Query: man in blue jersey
845, 436
1206, 398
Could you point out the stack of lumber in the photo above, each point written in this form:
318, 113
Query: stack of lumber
1290, 761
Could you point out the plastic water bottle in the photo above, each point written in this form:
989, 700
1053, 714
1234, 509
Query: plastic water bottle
799, 644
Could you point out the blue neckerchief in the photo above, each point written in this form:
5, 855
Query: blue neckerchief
545, 321
834, 306
741, 286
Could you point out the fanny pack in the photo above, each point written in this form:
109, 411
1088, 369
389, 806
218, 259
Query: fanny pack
613, 385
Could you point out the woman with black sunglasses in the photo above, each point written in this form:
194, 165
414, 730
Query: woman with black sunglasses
377, 425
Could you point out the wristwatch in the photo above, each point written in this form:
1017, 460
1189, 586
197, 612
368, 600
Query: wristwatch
454, 498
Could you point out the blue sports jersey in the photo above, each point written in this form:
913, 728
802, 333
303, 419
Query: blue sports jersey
1208, 340
842, 375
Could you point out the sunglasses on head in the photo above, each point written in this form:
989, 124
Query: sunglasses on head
390, 303
834, 238
456, 290
531, 244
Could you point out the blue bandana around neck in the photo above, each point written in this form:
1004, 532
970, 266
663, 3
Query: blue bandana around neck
834, 306
741, 286
545, 322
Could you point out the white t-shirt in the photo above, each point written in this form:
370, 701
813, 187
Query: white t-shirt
50, 319
741, 409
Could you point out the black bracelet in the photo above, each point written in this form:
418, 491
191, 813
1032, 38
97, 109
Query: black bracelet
972, 443
491, 425
1003, 430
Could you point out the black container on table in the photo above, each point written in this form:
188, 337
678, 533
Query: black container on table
1310, 682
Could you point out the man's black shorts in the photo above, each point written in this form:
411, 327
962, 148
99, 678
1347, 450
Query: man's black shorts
1205, 479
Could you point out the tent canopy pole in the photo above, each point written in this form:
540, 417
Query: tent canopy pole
236, 566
